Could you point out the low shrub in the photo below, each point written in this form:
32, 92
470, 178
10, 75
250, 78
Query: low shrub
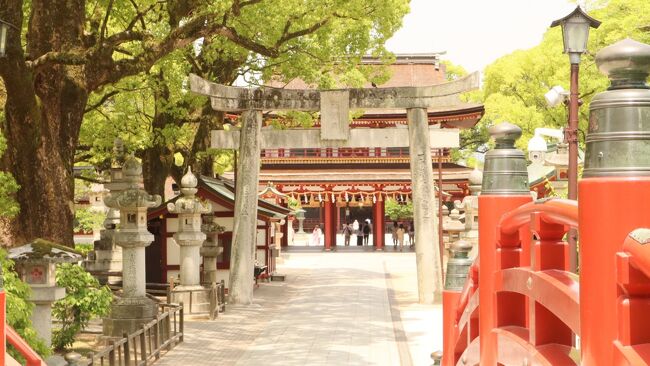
85, 299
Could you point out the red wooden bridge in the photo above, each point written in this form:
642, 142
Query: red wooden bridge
521, 305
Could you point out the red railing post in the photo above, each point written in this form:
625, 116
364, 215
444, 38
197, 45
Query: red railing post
3, 318
505, 187
614, 188
458, 267
450, 331
549, 251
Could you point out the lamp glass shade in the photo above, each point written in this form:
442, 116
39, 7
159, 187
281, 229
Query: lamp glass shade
575, 32
3, 38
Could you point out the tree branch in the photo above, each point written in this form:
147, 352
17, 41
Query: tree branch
103, 100
78, 175
61, 58
289, 36
102, 33
178, 38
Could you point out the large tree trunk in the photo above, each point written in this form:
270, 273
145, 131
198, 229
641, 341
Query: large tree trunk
156, 167
158, 159
44, 110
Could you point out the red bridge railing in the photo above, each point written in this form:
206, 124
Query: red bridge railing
521, 305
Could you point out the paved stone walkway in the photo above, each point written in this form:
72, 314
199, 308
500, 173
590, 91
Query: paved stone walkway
344, 308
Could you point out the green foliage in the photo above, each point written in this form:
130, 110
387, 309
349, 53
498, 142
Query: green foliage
293, 203
453, 71
85, 299
8, 187
19, 309
514, 85
320, 42
87, 219
396, 210
83, 248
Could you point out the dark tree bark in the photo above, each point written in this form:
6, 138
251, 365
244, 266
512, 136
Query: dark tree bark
66, 58
43, 113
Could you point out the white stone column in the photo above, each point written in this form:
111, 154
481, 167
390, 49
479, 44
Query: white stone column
245, 225
429, 271
134, 308
189, 235
134, 271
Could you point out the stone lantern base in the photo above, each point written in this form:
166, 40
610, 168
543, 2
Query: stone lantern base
197, 301
128, 315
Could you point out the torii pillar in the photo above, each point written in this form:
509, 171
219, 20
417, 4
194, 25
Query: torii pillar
334, 107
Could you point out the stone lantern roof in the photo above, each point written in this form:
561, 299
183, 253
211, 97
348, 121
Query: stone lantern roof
44, 250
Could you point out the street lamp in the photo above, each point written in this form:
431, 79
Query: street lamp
575, 33
4, 29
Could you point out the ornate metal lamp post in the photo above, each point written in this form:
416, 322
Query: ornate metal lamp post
575, 33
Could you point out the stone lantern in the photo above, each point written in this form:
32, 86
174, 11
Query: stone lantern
106, 255
134, 308
189, 237
470, 206
36, 264
300, 216
211, 248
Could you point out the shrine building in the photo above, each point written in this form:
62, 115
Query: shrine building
335, 185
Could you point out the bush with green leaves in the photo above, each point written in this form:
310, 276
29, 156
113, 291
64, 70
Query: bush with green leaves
84, 248
19, 309
398, 211
85, 299
86, 220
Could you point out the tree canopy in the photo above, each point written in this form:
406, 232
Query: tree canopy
77, 74
514, 85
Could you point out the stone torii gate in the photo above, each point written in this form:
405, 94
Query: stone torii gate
334, 107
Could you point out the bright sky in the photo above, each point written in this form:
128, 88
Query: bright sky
476, 32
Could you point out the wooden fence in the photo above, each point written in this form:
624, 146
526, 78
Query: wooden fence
145, 345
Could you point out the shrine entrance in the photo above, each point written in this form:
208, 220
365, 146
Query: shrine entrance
335, 132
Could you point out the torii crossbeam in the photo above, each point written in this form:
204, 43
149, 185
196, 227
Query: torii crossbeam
334, 107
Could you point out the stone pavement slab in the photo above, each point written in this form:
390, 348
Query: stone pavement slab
333, 309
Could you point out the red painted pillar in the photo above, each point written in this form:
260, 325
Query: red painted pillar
491, 208
3, 325
449, 309
505, 187
609, 211
612, 196
328, 225
378, 230
285, 231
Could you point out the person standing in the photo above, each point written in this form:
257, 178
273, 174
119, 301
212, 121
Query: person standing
347, 233
411, 234
315, 235
366, 232
359, 234
393, 231
400, 236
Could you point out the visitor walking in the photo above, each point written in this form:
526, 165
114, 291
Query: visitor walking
400, 236
347, 232
315, 236
393, 231
367, 229
411, 234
